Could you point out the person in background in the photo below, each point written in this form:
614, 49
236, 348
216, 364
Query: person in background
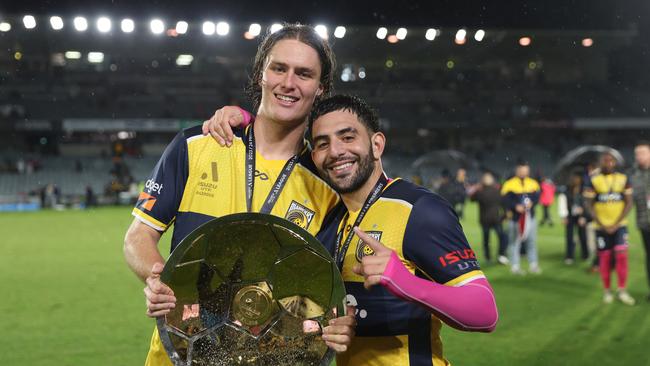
460, 192
571, 211
641, 185
608, 196
491, 215
546, 199
520, 194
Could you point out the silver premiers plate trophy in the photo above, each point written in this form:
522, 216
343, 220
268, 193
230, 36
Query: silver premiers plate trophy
251, 289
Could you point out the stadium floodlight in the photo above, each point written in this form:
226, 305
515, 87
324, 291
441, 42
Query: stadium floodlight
5, 27
56, 22
587, 42
401, 33
431, 34
127, 25
181, 27
184, 60
276, 27
29, 21
362, 73
382, 32
525, 41
104, 24
255, 29
223, 28
80, 24
95, 57
157, 26
321, 30
339, 32
479, 35
208, 28
72, 55
460, 36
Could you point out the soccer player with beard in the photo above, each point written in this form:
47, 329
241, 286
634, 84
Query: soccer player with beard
402, 237
608, 197
197, 180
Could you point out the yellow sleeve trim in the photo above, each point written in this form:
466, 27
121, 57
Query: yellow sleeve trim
462, 279
148, 220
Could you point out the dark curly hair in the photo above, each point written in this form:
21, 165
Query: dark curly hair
303, 33
341, 102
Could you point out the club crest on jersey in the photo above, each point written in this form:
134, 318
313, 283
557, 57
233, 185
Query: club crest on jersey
364, 249
299, 215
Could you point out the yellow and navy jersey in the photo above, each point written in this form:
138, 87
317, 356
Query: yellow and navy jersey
422, 228
608, 192
197, 180
515, 191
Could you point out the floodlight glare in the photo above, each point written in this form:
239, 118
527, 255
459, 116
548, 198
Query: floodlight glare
80, 24
29, 21
56, 23
104, 25
382, 32
431, 34
321, 30
5, 27
223, 28
339, 32
401, 33
276, 27
255, 29
157, 26
208, 28
479, 35
181, 27
127, 25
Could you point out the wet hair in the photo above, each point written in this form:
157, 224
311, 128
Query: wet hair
303, 33
340, 102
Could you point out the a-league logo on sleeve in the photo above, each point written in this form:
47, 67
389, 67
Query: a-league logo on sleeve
299, 215
363, 249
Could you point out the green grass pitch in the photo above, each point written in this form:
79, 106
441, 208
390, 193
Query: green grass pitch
68, 298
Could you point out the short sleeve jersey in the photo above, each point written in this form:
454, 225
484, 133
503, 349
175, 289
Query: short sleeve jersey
608, 192
197, 180
422, 228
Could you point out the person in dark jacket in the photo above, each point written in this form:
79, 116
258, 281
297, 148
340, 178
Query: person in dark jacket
573, 215
488, 196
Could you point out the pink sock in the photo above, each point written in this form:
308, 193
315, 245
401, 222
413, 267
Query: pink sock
621, 267
605, 260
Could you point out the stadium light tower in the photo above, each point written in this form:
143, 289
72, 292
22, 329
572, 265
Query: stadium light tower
56, 22
104, 24
181, 27
95, 57
275, 27
80, 24
5, 27
29, 21
127, 25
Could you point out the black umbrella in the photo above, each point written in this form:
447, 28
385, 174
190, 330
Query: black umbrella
577, 160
